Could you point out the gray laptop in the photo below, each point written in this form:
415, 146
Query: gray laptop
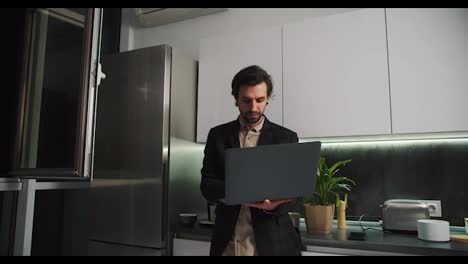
270, 172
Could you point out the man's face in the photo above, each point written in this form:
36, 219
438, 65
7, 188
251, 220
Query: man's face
252, 101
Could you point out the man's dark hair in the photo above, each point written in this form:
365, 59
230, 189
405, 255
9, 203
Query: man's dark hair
249, 76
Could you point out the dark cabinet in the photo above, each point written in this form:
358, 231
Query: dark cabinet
58, 91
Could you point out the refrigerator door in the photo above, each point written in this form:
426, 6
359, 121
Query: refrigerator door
129, 193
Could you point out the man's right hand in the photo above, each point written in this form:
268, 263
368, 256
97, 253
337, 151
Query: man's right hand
268, 205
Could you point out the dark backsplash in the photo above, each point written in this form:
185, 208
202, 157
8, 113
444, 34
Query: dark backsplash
426, 170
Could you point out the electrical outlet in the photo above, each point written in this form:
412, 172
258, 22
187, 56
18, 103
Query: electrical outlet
435, 207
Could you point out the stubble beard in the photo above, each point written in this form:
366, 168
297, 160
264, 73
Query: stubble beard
250, 120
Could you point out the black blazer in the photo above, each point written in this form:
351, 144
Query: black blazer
274, 232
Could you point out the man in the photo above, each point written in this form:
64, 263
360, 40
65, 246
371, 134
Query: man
248, 229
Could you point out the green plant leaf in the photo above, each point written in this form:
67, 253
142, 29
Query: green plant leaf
338, 164
345, 186
328, 183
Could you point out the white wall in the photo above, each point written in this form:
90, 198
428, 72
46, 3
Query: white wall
186, 35
126, 29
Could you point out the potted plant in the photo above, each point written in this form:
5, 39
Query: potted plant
319, 211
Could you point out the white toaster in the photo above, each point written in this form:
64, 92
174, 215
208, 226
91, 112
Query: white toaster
401, 215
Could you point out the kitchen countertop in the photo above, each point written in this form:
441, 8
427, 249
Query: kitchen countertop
337, 241
198, 232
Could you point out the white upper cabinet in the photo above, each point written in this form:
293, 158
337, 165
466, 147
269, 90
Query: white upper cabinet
428, 61
221, 57
336, 75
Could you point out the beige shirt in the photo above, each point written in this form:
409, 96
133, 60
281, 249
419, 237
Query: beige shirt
243, 241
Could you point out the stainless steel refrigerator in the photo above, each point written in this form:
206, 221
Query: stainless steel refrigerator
134, 124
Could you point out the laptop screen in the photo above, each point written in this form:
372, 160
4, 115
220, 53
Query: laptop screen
274, 172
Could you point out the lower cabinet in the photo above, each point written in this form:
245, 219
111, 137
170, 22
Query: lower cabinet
311, 253
331, 251
187, 247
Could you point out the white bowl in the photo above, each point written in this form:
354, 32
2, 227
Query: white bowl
434, 230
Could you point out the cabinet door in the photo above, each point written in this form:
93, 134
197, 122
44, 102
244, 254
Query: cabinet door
336, 75
221, 58
428, 69
59, 85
